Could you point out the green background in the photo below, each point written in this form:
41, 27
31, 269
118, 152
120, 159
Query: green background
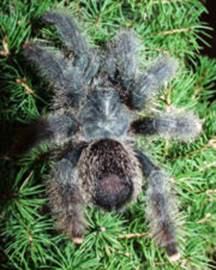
28, 238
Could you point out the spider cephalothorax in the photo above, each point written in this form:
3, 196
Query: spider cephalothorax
97, 94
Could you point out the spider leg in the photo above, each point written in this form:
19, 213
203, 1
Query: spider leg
49, 65
68, 74
146, 86
68, 31
68, 78
66, 198
86, 59
160, 206
55, 68
180, 126
55, 129
122, 57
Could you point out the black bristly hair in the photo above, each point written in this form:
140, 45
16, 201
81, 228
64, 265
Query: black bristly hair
97, 95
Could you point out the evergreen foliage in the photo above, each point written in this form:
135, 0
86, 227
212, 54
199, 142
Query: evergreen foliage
113, 241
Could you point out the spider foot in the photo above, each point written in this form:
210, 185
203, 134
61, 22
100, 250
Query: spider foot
77, 240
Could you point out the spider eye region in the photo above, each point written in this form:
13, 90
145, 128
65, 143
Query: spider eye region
112, 192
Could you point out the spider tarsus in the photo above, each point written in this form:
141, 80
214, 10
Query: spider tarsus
174, 257
77, 240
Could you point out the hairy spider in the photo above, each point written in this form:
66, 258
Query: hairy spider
97, 97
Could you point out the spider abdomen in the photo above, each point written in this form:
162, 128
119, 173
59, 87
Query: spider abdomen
109, 170
112, 192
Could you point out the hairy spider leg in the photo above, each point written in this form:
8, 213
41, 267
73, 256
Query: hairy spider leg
55, 129
55, 68
69, 74
122, 60
67, 199
147, 85
124, 51
48, 64
183, 126
68, 31
67, 79
160, 208
85, 58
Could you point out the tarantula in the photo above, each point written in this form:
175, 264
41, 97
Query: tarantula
97, 96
